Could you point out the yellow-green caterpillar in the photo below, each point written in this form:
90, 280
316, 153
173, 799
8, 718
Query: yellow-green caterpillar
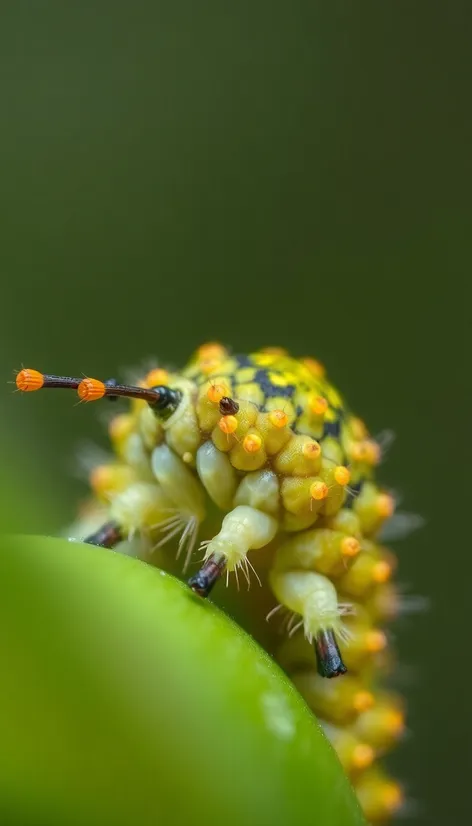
266, 441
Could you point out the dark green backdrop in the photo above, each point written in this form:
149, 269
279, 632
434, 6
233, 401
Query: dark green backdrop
290, 173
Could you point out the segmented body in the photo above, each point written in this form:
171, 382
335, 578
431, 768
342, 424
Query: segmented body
269, 441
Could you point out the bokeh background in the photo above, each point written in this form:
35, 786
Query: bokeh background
267, 173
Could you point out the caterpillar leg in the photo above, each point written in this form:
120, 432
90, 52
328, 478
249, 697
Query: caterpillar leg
203, 581
170, 506
139, 509
300, 579
107, 536
328, 655
314, 597
242, 530
179, 484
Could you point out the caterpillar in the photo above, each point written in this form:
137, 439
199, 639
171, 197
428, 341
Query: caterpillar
267, 444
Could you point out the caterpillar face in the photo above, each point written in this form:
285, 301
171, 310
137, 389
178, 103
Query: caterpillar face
270, 442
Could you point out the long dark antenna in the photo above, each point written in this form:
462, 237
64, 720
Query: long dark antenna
162, 398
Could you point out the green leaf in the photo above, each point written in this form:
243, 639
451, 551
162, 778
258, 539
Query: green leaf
124, 699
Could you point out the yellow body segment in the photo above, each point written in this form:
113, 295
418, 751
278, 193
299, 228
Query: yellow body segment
269, 443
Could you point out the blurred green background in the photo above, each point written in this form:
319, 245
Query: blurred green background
263, 174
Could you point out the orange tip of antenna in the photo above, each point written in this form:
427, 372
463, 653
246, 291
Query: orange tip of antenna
89, 390
29, 380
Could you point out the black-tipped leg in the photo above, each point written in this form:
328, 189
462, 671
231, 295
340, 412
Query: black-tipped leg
328, 657
107, 536
203, 581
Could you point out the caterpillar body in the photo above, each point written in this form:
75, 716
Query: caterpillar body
268, 443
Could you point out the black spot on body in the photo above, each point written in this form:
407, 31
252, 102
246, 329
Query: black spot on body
244, 361
106, 537
272, 390
332, 429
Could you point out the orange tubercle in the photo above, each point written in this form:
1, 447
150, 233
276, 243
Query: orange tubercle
358, 428
392, 797
252, 443
358, 452
100, 476
213, 351
318, 406
385, 505
376, 640
350, 546
274, 351
90, 390
363, 700
394, 722
156, 377
103, 478
278, 418
216, 392
382, 571
29, 380
315, 367
362, 756
319, 490
366, 451
311, 450
374, 453
380, 797
228, 424
342, 475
